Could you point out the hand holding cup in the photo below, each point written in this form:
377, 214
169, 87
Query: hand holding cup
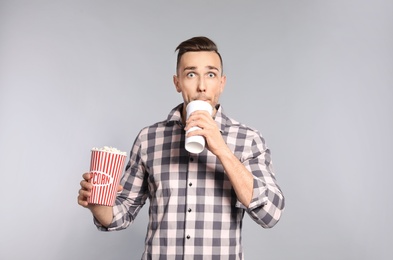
196, 144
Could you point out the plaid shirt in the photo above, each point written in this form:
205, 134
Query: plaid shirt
194, 212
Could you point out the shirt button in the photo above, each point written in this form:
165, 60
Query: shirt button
191, 159
190, 184
188, 237
189, 210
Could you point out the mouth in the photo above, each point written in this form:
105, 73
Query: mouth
202, 99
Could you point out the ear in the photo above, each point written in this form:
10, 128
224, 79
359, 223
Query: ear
223, 82
176, 83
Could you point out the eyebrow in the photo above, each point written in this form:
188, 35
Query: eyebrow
194, 68
189, 68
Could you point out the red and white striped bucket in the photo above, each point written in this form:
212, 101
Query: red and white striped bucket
106, 169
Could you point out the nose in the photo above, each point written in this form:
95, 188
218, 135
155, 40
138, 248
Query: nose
201, 85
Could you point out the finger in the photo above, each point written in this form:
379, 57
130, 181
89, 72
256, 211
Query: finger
83, 203
196, 121
201, 112
119, 188
83, 198
195, 133
86, 185
84, 193
87, 176
198, 115
201, 120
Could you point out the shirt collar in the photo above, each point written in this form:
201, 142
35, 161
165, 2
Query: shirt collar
175, 116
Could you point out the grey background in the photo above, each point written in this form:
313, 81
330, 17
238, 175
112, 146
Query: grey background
315, 77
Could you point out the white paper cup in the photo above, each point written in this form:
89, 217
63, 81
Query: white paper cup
196, 144
106, 169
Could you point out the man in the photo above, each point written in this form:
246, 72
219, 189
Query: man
197, 201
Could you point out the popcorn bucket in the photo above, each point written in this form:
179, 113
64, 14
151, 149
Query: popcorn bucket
106, 167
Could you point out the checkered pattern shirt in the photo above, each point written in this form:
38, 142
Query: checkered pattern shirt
194, 212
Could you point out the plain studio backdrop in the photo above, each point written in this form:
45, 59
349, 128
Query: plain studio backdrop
315, 77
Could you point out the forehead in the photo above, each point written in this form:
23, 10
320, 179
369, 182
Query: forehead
200, 59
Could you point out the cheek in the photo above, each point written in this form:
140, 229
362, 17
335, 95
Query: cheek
186, 95
216, 97
189, 85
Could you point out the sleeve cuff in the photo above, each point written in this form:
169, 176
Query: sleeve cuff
259, 197
112, 226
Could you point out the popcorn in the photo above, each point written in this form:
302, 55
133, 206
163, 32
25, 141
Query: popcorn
106, 167
109, 149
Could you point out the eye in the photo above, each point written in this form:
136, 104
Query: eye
211, 75
190, 74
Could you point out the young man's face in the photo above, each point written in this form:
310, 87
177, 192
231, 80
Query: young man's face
199, 77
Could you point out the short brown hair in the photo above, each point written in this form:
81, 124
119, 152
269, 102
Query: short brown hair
199, 43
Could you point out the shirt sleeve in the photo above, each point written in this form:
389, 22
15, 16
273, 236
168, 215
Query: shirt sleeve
134, 194
268, 201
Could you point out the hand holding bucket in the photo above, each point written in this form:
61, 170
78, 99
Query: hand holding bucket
106, 168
